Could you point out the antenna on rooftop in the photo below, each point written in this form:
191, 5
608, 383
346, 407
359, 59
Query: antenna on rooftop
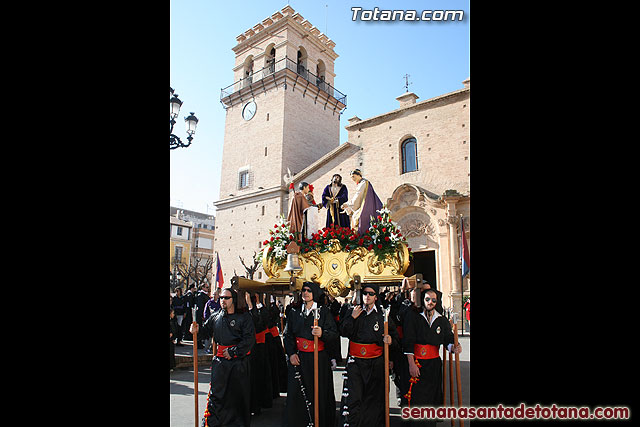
407, 82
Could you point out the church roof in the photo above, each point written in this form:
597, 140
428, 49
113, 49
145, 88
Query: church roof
321, 161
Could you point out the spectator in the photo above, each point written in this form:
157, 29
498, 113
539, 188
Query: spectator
178, 305
189, 303
211, 307
467, 307
200, 300
173, 333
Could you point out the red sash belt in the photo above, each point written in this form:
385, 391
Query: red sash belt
307, 345
274, 331
364, 351
399, 328
221, 348
260, 337
426, 351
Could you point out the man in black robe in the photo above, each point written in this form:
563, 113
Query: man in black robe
261, 393
277, 359
229, 393
333, 196
363, 391
298, 344
424, 332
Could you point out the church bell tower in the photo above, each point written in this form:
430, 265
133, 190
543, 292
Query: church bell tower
282, 114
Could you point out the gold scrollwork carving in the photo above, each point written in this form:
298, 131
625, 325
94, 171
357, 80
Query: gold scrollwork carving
336, 288
334, 246
376, 265
358, 254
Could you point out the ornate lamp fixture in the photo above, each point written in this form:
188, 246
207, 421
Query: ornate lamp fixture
191, 122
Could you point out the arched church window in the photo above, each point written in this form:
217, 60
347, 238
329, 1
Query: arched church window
409, 155
270, 62
301, 68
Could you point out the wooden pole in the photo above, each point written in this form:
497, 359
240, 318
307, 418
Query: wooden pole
386, 370
195, 365
455, 342
444, 376
316, 402
451, 386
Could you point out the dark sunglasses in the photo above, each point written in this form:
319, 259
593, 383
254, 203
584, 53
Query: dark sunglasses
226, 297
426, 299
370, 293
307, 290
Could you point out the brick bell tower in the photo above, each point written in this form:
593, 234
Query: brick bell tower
282, 113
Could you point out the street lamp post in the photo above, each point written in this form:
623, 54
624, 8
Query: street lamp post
191, 122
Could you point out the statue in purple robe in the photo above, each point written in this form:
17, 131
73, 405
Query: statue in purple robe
364, 204
333, 196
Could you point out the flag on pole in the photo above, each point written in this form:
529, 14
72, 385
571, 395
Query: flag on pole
219, 278
464, 251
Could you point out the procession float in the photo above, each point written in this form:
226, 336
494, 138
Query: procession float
338, 259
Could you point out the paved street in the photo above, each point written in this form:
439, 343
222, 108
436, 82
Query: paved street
182, 399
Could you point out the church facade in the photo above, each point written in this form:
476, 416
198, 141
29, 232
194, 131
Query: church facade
282, 126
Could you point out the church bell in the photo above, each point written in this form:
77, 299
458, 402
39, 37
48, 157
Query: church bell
293, 263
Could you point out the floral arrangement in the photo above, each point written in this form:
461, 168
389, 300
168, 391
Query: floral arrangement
383, 238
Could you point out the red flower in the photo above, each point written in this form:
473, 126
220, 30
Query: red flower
361, 241
379, 246
306, 249
384, 230
386, 238
369, 248
275, 226
379, 218
325, 242
347, 247
290, 236
352, 237
375, 226
271, 239
266, 242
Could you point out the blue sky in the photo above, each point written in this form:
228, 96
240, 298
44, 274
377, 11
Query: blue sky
373, 58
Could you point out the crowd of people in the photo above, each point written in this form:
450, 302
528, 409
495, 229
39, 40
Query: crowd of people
264, 347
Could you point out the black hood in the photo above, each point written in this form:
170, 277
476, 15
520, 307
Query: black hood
315, 290
438, 307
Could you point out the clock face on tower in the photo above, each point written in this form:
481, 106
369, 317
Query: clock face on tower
249, 110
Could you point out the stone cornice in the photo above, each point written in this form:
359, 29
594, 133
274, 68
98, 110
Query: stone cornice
390, 115
286, 16
242, 199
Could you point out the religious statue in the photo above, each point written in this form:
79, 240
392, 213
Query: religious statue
364, 205
333, 196
303, 212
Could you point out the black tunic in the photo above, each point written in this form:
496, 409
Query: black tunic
299, 326
428, 390
277, 359
400, 306
260, 368
363, 389
229, 393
